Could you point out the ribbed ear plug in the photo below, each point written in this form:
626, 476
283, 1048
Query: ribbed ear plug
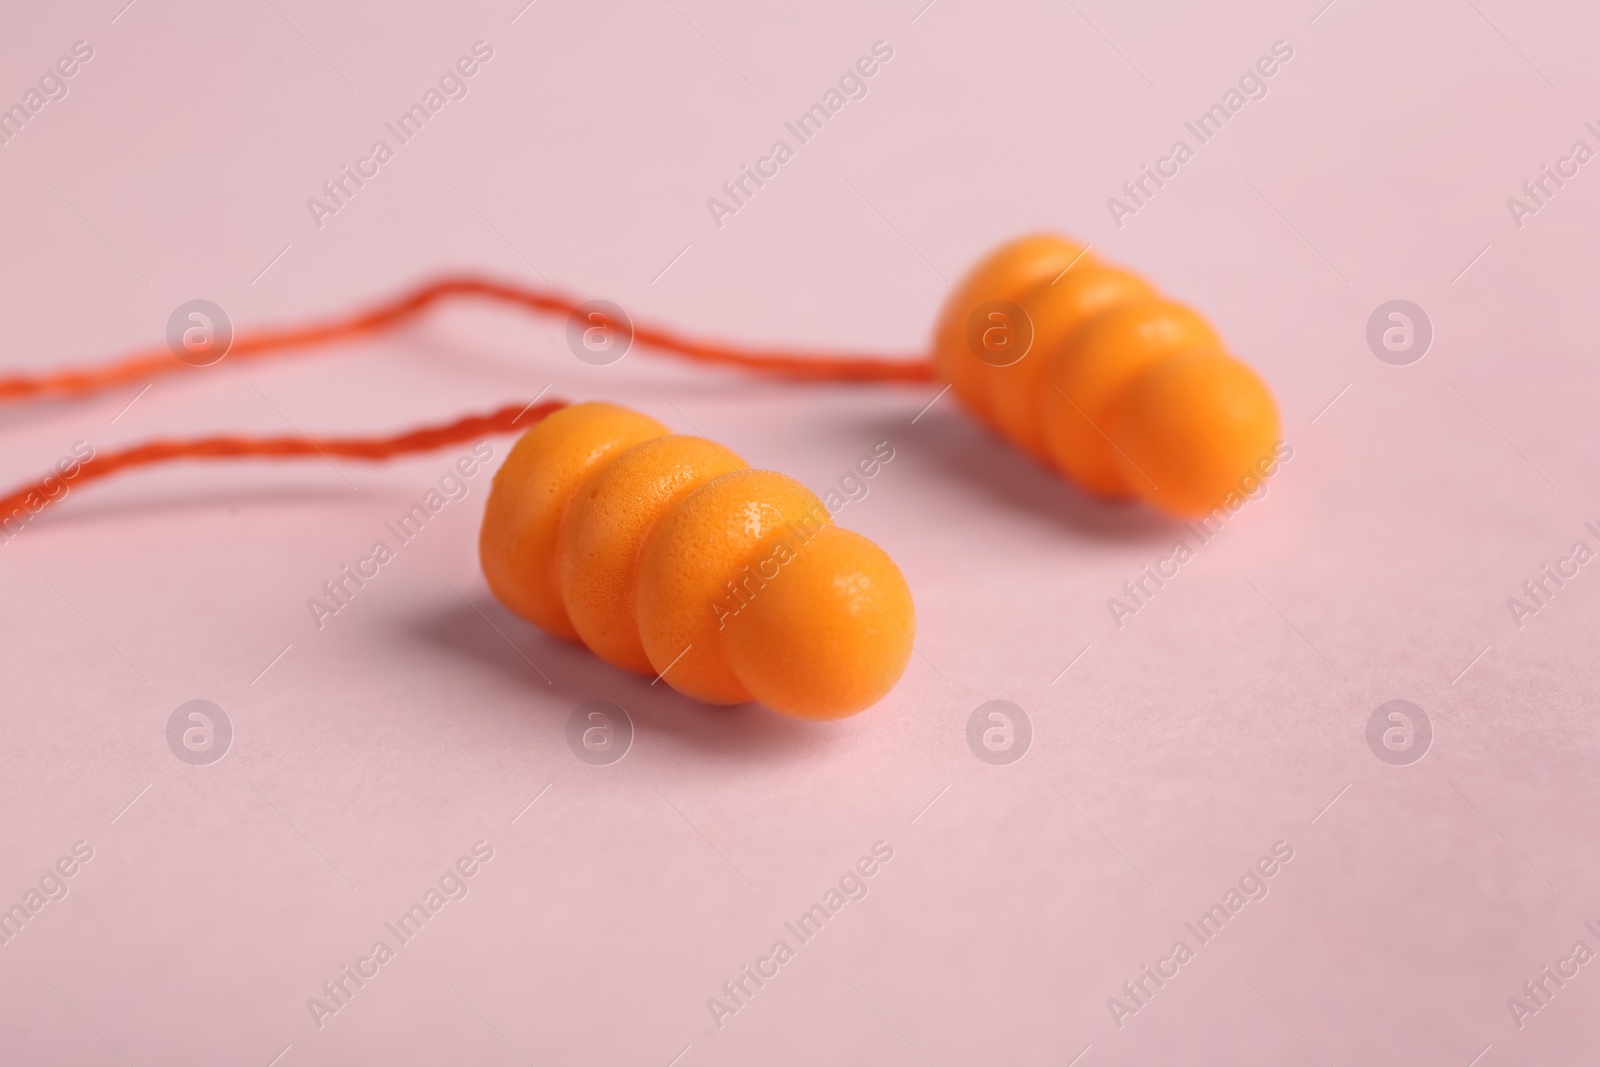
1085, 367
667, 555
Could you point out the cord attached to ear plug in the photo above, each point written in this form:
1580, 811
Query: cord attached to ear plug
30, 499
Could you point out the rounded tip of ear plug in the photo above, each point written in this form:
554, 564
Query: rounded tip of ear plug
830, 634
1193, 428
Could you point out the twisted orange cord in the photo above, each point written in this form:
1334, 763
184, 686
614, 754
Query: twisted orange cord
510, 419
795, 365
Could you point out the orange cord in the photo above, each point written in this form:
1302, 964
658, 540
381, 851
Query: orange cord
510, 419
790, 364
783, 363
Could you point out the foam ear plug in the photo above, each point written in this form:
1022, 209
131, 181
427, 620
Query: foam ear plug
1126, 394
665, 555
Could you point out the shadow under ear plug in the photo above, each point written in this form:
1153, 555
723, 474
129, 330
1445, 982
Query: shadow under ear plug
665, 554
1083, 366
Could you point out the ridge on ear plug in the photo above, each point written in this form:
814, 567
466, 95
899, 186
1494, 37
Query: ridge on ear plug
1087, 369
666, 555
1007, 274
517, 543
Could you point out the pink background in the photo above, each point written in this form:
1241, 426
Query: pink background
1221, 719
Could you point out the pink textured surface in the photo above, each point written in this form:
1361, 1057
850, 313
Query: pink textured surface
1222, 718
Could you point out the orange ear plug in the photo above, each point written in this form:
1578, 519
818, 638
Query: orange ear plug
665, 554
1084, 367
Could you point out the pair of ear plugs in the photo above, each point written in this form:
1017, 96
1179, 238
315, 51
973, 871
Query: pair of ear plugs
665, 554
